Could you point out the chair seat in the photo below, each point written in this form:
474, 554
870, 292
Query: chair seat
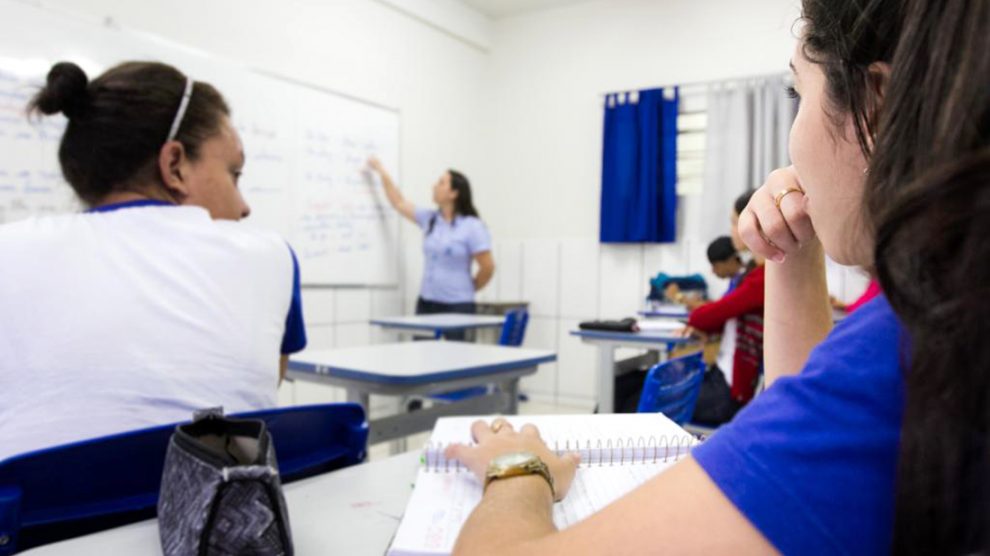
458, 395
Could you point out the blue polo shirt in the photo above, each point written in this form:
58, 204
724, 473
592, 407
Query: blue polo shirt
448, 249
812, 461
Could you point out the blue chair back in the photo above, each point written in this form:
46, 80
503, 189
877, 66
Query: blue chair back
71, 490
514, 329
513, 332
672, 388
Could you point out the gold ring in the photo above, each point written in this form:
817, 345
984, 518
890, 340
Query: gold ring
783, 193
498, 424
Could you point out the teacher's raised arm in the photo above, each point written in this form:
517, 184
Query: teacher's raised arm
454, 237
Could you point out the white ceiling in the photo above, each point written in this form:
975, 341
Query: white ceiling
505, 8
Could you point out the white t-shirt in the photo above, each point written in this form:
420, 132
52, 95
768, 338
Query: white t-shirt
727, 349
113, 321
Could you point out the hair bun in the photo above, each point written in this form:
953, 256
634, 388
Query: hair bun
65, 91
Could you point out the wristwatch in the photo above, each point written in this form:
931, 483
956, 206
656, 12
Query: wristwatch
518, 464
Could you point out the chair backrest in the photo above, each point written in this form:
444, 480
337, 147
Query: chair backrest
75, 489
514, 329
672, 388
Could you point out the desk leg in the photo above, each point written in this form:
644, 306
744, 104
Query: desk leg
399, 445
512, 389
360, 397
606, 378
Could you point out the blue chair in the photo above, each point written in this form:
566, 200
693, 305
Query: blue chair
513, 332
514, 328
71, 490
672, 388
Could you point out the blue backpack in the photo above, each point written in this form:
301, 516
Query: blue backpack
689, 283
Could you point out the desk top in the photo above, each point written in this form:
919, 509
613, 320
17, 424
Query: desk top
417, 362
642, 337
667, 311
351, 511
440, 321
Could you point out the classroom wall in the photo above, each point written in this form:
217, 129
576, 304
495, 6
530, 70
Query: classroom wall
539, 190
428, 61
427, 58
515, 103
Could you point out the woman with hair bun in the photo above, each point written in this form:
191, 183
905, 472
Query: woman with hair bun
154, 302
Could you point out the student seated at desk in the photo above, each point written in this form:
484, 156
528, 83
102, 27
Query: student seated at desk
139, 311
716, 404
726, 264
738, 316
871, 438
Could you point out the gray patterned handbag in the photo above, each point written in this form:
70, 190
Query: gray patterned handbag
221, 493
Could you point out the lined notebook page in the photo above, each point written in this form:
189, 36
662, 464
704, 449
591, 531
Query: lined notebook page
444, 496
600, 439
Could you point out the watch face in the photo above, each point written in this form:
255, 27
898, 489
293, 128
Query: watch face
514, 459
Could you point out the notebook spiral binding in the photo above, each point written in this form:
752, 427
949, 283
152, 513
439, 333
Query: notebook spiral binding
619, 451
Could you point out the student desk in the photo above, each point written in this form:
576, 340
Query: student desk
431, 367
439, 323
607, 342
667, 312
355, 510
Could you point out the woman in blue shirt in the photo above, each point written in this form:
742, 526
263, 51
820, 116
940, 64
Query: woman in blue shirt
453, 237
872, 437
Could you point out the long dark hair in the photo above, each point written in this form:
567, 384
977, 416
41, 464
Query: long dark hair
927, 199
463, 204
119, 121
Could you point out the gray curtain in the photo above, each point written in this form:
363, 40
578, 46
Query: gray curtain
746, 138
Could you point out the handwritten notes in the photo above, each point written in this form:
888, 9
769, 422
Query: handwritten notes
305, 148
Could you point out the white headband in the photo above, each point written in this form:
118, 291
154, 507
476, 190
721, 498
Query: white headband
182, 110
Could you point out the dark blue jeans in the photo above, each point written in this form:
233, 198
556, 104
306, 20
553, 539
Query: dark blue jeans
427, 307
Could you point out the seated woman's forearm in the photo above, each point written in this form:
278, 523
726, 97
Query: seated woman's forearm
512, 512
797, 315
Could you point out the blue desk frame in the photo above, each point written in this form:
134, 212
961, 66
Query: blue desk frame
452, 370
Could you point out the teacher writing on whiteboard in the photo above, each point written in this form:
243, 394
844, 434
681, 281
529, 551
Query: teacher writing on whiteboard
453, 237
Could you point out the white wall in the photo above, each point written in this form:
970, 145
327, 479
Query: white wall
516, 105
549, 69
539, 188
428, 60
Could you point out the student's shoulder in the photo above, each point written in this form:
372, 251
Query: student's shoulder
253, 240
246, 232
867, 341
39, 229
875, 317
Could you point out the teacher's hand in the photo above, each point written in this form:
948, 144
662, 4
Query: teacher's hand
500, 438
376, 165
775, 223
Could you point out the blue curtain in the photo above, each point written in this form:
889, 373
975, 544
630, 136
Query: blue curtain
639, 168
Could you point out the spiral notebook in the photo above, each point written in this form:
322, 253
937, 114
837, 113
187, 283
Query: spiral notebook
618, 453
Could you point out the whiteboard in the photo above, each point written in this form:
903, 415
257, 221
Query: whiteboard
305, 147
